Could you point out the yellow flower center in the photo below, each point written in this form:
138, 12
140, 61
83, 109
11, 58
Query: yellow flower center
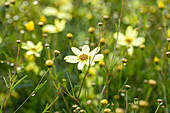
83, 57
128, 40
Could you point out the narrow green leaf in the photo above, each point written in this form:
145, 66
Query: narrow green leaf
40, 86
71, 85
19, 81
101, 96
5, 82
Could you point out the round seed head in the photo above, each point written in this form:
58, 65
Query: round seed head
78, 108
93, 84
92, 44
116, 97
88, 102
49, 63
134, 106
106, 51
145, 81
135, 100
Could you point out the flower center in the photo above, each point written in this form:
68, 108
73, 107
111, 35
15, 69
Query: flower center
128, 40
83, 57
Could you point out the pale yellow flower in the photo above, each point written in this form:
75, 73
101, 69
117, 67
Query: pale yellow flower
32, 66
84, 56
30, 26
43, 19
161, 5
130, 39
58, 27
32, 49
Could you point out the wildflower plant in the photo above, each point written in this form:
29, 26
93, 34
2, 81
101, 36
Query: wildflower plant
121, 52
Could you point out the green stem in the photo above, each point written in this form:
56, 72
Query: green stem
148, 93
157, 108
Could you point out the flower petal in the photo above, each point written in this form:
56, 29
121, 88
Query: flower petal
130, 50
24, 46
94, 51
71, 57
39, 46
30, 44
81, 65
76, 51
85, 49
37, 54
131, 33
121, 36
72, 60
29, 52
138, 41
98, 57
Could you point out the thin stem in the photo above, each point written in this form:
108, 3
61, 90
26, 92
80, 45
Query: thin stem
32, 92
157, 108
126, 101
113, 50
8, 91
65, 102
54, 99
148, 93
70, 42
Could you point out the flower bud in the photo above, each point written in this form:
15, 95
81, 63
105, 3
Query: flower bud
91, 30
119, 110
47, 45
104, 102
7, 4
161, 5
152, 82
44, 35
168, 54
12, 1
100, 23
107, 110
142, 46
156, 60
56, 53
18, 41
49, 63
143, 103
69, 35
40, 24
106, 17
102, 41
160, 101
101, 63
124, 60
127, 87
82, 111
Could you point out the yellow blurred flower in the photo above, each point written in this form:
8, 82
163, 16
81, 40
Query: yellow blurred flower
43, 19
15, 94
58, 27
30, 58
168, 32
161, 5
130, 39
32, 49
30, 26
32, 66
